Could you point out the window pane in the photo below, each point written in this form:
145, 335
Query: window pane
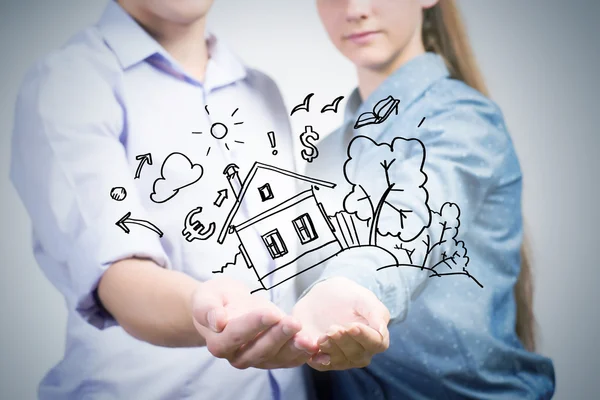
305, 229
275, 244
265, 192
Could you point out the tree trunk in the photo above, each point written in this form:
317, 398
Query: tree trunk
375, 222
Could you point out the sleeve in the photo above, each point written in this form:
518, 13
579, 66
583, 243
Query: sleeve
66, 158
463, 148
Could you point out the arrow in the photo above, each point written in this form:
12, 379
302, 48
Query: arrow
222, 197
126, 220
143, 158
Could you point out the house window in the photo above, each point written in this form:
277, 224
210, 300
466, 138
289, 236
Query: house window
275, 244
305, 229
265, 192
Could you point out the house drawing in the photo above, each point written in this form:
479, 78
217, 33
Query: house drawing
283, 222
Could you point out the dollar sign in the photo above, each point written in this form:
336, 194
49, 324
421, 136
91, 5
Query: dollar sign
307, 138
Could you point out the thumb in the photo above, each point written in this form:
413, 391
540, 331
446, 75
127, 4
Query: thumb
208, 309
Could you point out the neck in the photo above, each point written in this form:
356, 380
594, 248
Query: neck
184, 42
371, 77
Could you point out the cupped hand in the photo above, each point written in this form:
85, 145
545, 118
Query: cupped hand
347, 320
247, 330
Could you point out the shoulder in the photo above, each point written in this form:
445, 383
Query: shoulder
455, 103
74, 81
267, 92
262, 83
256, 77
84, 62
461, 117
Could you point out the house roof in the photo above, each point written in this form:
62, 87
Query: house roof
255, 168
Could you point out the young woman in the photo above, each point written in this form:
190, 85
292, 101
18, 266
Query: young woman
450, 337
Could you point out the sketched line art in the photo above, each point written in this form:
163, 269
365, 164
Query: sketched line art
271, 136
451, 252
194, 229
118, 193
390, 200
126, 219
305, 106
219, 130
308, 139
385, 179
176, 173
280, 224
333, 106
421, 123
386, 214
229, 264
142, 158
221, 197
381, 111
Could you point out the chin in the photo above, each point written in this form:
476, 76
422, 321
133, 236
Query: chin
186, 11
369, 59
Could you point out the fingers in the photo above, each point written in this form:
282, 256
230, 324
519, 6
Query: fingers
239, 331
269, 344
347, 347
370, 340
209, 300
321, 362
377, 316
208, 310
330, 356
289, 356
248, 331
354, 353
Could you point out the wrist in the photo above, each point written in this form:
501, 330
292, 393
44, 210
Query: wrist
189, 298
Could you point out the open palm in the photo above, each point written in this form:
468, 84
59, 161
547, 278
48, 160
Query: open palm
348, 322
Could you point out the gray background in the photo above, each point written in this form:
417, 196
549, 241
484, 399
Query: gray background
540, 60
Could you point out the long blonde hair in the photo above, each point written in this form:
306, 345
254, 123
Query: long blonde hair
444, 33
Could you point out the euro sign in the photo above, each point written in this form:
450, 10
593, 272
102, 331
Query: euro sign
196, 229
308, 139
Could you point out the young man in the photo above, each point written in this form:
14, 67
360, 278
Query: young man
120, 142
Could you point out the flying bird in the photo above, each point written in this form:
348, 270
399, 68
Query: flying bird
304, 106
333, 106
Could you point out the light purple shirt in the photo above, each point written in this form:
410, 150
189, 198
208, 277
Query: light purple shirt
83, 116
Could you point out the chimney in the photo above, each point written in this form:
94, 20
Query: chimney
231, 172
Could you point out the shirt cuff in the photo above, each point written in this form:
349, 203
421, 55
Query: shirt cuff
360, 264
94, 252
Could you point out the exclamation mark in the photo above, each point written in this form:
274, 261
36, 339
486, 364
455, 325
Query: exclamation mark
271, 135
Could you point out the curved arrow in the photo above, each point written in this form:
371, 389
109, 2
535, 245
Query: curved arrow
126, 220
143, 158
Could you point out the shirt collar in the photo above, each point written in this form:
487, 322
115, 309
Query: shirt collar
131, 45
406, 84
224, 67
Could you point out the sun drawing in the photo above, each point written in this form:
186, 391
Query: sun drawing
219, 130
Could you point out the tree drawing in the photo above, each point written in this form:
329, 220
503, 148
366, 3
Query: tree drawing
389, 195
442, 247
388, 187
